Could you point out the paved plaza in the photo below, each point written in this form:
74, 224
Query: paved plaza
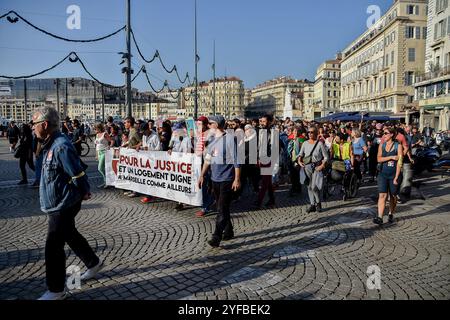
153, 252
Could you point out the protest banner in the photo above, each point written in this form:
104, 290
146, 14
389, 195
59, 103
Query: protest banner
173, 177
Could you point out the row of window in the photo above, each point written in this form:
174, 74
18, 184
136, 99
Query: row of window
369, 53
433, 90
370, 86
370, 68
413, 32
442, 28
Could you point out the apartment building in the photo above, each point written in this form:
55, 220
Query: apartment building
433, 87
229, 98
327, 87
275, 97
379, 68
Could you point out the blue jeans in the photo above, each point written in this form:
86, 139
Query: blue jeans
38, 167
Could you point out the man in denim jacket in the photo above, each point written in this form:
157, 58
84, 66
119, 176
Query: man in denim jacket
63, 186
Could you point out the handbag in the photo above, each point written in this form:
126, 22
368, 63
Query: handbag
18, 152
308, 160
338, 165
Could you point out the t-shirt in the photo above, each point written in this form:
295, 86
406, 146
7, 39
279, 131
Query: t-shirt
358, 147
133, 138
220, 151
320, 153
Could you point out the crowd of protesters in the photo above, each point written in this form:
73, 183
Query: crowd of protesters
306, 149
300, 153
375, 150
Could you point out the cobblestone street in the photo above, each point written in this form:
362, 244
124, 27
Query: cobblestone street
153, 252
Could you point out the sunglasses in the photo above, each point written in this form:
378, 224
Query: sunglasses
386, 133
36, 123
311, 132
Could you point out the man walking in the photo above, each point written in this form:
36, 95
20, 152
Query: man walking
63, 186
225, 176
13, 135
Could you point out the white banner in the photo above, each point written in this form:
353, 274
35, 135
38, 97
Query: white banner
155, 173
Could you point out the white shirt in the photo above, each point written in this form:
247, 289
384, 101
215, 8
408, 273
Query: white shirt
151, 142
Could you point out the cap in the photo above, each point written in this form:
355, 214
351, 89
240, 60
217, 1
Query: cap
203, 119
220, 120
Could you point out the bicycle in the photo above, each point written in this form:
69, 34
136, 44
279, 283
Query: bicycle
85, 149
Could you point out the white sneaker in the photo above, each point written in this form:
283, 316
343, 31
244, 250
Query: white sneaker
51, 296
92, 272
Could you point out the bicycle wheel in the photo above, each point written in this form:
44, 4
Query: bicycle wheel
85, 149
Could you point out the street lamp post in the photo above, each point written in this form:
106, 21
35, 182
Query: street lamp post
196, 68
128, 60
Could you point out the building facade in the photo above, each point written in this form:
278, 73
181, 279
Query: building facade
275, 97
433, 87
229, 98
309, 107
379, 68
327, 87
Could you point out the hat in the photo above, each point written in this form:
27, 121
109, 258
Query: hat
178, 126
203, 119
219, 120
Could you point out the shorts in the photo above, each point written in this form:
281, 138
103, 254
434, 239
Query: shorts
13, 140
386, 185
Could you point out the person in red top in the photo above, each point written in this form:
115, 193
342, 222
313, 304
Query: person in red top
200, 145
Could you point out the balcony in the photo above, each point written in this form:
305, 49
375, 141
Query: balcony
436, 73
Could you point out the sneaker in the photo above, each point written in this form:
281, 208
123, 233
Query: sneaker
319, 207
391, 218
92, 272
311, 209
179, 207
378, 221
132, 195
52, 296
200, 214
126, 193
146, 200
214, 242
23, 182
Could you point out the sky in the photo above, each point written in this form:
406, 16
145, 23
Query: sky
256, 40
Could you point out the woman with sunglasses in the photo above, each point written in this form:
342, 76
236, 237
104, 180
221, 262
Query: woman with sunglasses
390, 159
313, 158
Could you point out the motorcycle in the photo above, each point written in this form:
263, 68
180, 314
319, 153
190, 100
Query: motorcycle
443, 162
425, 158
443, 140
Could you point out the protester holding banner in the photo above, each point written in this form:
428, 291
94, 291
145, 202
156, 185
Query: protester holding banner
133, 142
150, 142
180, 143
225, 178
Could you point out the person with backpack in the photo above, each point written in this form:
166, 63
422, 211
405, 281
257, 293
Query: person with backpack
13, 135
25, 152
390, 161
